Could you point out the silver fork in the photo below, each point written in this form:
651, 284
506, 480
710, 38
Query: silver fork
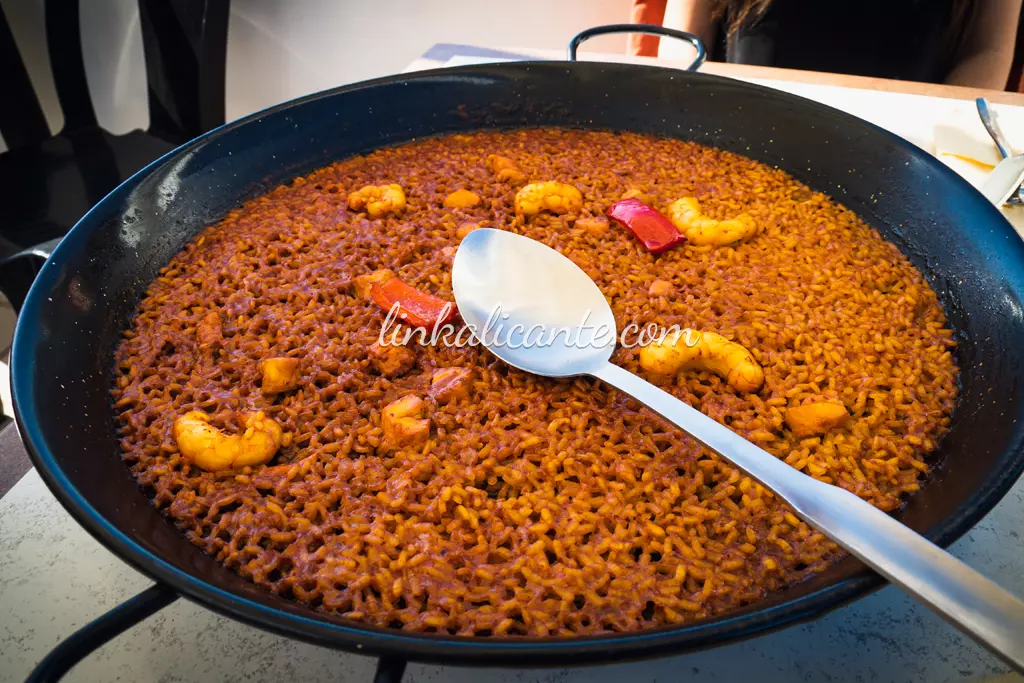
989, 121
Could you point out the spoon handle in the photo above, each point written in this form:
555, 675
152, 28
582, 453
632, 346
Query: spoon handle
979, 607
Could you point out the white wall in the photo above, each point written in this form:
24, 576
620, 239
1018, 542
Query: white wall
279, 50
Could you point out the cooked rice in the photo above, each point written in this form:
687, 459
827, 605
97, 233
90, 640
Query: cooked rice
538, 507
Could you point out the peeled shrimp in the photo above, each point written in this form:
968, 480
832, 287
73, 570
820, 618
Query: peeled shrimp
701, 230
209, 448
505, 169
378, 200
690, 350
550, 196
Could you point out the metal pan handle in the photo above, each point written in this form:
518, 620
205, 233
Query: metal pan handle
650, 29
17, 271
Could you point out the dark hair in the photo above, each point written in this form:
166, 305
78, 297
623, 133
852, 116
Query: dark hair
736, 13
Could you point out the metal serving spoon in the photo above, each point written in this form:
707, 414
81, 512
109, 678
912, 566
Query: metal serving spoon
555, 322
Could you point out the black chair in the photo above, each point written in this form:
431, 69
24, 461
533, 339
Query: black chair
48, 182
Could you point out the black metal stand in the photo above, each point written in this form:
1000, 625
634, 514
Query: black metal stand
97, 632
118, 620
389, 670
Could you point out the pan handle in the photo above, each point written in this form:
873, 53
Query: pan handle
97, 632
18, 270
651, 29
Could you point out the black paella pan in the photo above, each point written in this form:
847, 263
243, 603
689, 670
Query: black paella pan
85, 296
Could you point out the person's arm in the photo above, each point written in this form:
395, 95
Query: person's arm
986, 55
694, 17
645, 12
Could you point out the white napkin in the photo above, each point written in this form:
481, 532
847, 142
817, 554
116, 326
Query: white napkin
962, 142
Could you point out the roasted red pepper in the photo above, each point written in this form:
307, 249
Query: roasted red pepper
414, 307
648, 225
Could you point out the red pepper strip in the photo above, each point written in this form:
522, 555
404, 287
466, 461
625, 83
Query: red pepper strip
414, 307
647, 225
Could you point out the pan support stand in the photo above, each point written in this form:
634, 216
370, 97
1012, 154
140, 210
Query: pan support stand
108, 626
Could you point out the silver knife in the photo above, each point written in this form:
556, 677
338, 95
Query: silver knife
1003, 181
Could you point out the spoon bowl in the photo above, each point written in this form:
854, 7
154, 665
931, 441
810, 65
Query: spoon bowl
530, 306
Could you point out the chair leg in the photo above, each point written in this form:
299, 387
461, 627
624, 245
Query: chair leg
64, 45
185, 44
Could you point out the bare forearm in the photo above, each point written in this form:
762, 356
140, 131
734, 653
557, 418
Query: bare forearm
646, 12
696, 19
985, 70
986, 55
